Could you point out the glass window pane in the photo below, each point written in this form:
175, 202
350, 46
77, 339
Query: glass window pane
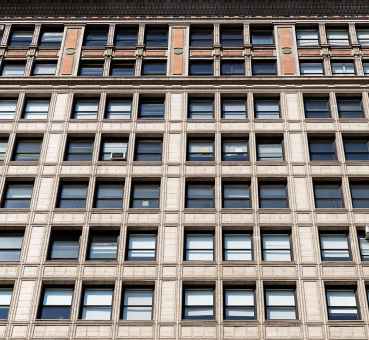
7, 108
36, 109
118, 109
5, 296
44, 69
103, 246
13, 69
58, 297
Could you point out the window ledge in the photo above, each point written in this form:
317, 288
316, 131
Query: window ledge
319, 120
330, 210
24, 163
143, 210
200, 210
327, 162
278, 263
102, 163
98, 263
194, 120
81, 322
78, 210
357, 162
272, 162
136, 322
265, 120
104, 210
195, 263
236, 210
274, 210
353, 119
200, 163
148, 163
233, 120
343, 263
52, 321
143, 263
62, 262
78, 163
202, 322
15, 210
240, 323
282, 322
224, 163
235, 263
345, 322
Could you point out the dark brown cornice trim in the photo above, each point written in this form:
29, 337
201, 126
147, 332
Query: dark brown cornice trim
189, 8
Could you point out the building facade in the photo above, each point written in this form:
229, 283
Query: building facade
175, 170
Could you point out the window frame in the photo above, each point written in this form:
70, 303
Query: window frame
27, 114
70, 154
261, 156
352, 113
87, 101
235, 156
109, 113
99, 237
148, 155
73, 235
283, 307
236, 201
322, 140
28, 200
42, 305
316, 183
130, 233
156, 185
200, 114
309, 114
225, 233
200, 183
271, 184
65, 182
212, 307
264, 114
118, 201
154, 40
200, 156
313, 42
306, 65
209, 234
329, 288
118, 31
124, 306
83, 306
97, 30
10, 289
151, 100
257, 66
325, 251
201, 43
19, 141
264, 250
243, 307
17, 252
201, 67
91, 68
231, 42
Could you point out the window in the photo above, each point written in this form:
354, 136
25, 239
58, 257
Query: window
366, 67
21, 37
97, 303
114, 149
148, 149
27, 149
151, 108
359, 194
103, 245
201, 36
311, 68
72, 195
280, 304
267, 108
198, 303
276, 246
89, 68
126, 36
338, 37
317, 107
141, 246
137, 303
200, 108
231, 36
343, 68
13, 69
269, 149
79, 149
56, 303
145, 195
234, 108
264, 68
322, 149
201, 67
154, 67
17, 195
307, 37
239, 304
123, 68
363, 36
51, 38
10, 246
232, 67
3, 148
235, 150
36, 108
200, 149
156, 37
342, 303
328, 195
335, 247
8, 108
236, 195
5, 300
44, 68
199, 246
96, 36
350, 107
364, 246
273, 195
108, 195
237, 246
262, 36
64, 245
356, 148
118, 108
85, 108
200, 195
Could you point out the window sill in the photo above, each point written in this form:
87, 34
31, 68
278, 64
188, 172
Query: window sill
135, 322
202, 120
282, 322
343, 263
240, 323
102, 163
357, 162
24, 163
263, 47
240, 162
64, 262
200, 210
278, 263
143, 210
104, 210
236, 210
268, 120
274, 210
200, 163
52, 321
196, 263
143, 263
78, 163
330, 210
235, 263
203, 322
77, 210
234, 120
271, 162
327, 162
345, 322
319, 120
98, 263
353, 119
147, 163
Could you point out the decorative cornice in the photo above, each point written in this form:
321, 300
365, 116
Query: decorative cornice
189, 8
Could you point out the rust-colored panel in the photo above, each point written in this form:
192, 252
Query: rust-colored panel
341, 53
125, 53
22, 54
286, 51
232, 53
177, 51
93, 53
263, 53
155, 53
70, 56
309, 53
47, 54
201, 53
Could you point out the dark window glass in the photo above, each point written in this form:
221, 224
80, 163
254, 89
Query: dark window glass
311, 68
3, 148
44, 68
231, 36
198, 303
237, 246
201, 68
8, 107
234, 108
13, 68
10, 246
154, 67
328, 195
276, 246
91, 68
307, 37
334, 247
363, 36
64, 245
72, 195
200, 195
103, 245
267, 108
273, 195
359, 194
96, 303
350, 107
145, 195
114, 149
239, 304
236, 195
200, 150
108, 195
269, 149
36, 108
356, 148
342, 303
200, 108
5, 300
17, 195
96, 36
366, 67
151, 107
364, 246
317, 107
262, 37
27, 149
201, 36
137, 303
322, 149
232, 67
141, 246
85, 108
51, 38
148, 149
118, 108
123, 68
343, 68
56, 303
262, 67
126, 36
338, 37
235, 150
156, 37
199, 246
280, 304
79, 149
21, 37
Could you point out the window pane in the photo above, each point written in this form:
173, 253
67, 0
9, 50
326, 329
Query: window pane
79, 149
264, 68
18, 195
96, 36
51, 39
103, 246
118, 108
338, 37
199, 247
342, 304
8, 108
232, 68
73, 195
21, 38
36, 109
201, 67
145, 196
27, 150
156, 37
262, 37
137, 304
234, 108
237, 247
269, 150
201, 37
151, 108
273, 196
65, 245
311, 68
141, 247
200, 108
13, 69
316, 107
267, 108
126, 36
322, 149
236, 195
10, 246
363, 36
200, 196
328, 195
44, 69
231, 36
123, 69
85, 108
148, 150
154, 67
349, 107
276, 247
58, 297
335, 247
307, 37
280, 304
91, 69
342, 68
